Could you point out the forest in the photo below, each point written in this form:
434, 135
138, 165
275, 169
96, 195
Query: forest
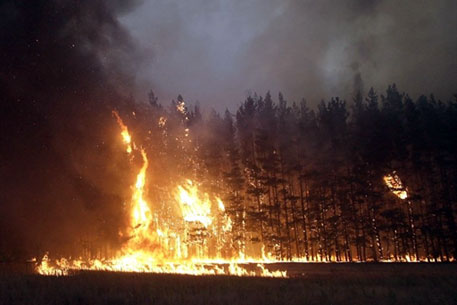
312, 183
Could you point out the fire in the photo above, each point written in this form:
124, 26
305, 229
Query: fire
193, 207
141, 214
162, 121
181, 107
158, 248
124, 132
395, 185
220, 204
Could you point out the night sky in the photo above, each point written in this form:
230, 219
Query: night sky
66, 64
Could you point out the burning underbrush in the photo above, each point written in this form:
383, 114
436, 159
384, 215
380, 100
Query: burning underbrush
199, 206
181, 246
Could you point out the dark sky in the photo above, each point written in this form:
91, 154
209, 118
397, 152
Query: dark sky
218, 51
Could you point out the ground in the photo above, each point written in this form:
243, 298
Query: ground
311, 284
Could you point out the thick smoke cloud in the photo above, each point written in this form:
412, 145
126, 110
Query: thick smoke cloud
217, 51
63, 180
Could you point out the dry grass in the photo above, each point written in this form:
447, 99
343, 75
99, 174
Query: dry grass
318, 284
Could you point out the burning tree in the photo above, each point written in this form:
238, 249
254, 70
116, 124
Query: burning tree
281, 183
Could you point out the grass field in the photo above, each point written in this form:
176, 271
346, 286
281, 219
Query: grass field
311, 284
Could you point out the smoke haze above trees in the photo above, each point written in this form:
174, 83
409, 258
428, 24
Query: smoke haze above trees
219, 51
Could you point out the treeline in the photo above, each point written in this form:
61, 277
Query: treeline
309, 183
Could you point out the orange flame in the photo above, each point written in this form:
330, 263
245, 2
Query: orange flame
395, 185
151, 248
124, 132
193, 207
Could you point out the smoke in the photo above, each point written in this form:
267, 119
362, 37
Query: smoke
216, 51
65, 66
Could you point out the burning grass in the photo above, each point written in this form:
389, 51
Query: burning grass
313, 284
157, 248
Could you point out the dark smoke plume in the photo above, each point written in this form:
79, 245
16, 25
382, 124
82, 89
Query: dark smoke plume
59, 81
